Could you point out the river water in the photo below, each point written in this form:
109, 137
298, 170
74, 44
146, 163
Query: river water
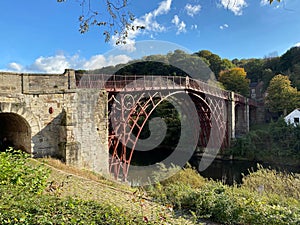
227, 171
231, 171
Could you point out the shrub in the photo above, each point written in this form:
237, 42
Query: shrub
16, 171
268, 181
22, 200
188, 176
237, 205
276, 142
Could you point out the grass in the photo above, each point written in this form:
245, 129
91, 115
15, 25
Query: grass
67, 181
46, 191
57, 165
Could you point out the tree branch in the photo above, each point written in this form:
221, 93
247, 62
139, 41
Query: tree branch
118, 23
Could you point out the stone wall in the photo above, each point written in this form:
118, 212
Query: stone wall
46, 115
10, 83
87, 130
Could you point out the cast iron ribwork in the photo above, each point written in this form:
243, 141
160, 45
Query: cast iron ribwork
132, 100
130, 112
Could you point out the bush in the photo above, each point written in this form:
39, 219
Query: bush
176, 189
188, 176
271, 182
236, 205
16, 171
22, 200
276, 142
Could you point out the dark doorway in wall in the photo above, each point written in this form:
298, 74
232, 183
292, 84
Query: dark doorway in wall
15, 132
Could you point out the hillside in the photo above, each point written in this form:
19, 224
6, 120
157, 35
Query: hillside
65, 181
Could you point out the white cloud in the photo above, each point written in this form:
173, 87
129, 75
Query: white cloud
194, 27
181, 26
236, 6
176, 20
148, 21
15, 67
58, 63
164, 7
224, 26
192, 10
99, 61
267, 2
297, 44
51, 64
264, 2
95, 62
118, 59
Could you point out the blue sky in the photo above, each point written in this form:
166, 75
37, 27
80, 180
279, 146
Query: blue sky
42, 35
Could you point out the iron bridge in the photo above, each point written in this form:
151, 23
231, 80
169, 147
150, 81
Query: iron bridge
133, 99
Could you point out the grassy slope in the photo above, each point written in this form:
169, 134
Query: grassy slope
68, 181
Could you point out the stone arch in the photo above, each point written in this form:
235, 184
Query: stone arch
18, 125
15, 131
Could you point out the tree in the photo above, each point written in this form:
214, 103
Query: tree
273, 1
235, 80
226, 64
290, 58
214, 60
254, 69
267, 76
281, 96
177, 63
119, 24
295, 75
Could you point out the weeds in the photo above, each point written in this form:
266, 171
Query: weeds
277, 203
270, 182
27, 198
15, 171
265, 197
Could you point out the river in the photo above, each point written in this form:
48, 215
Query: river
230, 171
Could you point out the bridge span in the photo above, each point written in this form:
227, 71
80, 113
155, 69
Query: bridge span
220, 115
81, 122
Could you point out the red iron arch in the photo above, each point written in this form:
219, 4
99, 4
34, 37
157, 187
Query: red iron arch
142, 105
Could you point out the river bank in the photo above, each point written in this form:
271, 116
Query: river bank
230, 170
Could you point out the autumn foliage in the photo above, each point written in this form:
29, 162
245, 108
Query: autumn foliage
281, 96
235, 80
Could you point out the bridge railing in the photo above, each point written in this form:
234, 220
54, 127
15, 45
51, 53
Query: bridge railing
117, 83
131, 82
242, 99
201, 86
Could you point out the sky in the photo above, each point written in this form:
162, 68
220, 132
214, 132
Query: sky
42, 36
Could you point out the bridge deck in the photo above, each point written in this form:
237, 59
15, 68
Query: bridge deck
130, 83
